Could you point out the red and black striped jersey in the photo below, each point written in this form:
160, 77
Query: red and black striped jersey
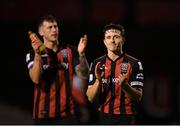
111, 98
53, 94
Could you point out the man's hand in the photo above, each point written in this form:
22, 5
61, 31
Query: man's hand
82, 45
99, 70
134, 93
123, 79
35, 45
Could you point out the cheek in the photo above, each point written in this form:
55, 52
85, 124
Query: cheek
105, 43
48, 34
120, 42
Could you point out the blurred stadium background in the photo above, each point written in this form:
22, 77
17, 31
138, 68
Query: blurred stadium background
152, 35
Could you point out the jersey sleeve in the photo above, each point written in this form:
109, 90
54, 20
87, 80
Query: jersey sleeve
92, 77
47, 64
137, 75
29, 59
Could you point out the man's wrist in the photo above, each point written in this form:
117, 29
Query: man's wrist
37, 57
98, 80
82, 54
37, 54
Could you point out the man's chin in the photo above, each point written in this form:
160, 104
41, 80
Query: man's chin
114, 49
54, 40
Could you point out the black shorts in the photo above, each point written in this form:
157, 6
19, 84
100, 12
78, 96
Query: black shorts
116, 119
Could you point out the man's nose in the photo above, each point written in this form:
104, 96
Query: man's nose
54, 29
112, 39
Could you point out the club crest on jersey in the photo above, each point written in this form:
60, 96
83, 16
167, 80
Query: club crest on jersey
64, 53
124, 67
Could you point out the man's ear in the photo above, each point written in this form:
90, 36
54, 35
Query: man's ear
40, 30
104, 42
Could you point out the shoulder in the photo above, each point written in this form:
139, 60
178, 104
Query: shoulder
29, 54
70, 46
132, 58
100, 59
31, 51
94, 62
67, 47
133, 61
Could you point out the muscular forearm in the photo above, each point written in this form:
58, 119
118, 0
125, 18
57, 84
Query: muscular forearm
84, 67
93, 90
36, 71
134, 93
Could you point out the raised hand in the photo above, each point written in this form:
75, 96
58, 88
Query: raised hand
82, 45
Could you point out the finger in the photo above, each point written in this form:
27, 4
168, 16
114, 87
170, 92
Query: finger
102, 74
101, 68
97, 66
84, 39
120, 76
81, 40
104, 67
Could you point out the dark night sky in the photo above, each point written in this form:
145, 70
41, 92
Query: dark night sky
152, 35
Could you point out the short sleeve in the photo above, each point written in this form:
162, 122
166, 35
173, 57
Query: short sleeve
92, 77
29, 59
137, 75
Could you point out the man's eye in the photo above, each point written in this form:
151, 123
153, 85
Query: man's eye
117, 37
108, 37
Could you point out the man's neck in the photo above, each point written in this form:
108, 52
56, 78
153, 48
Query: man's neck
114, 55
52, 45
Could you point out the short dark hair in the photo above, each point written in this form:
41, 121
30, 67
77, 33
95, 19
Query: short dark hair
48, 18
114, 26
